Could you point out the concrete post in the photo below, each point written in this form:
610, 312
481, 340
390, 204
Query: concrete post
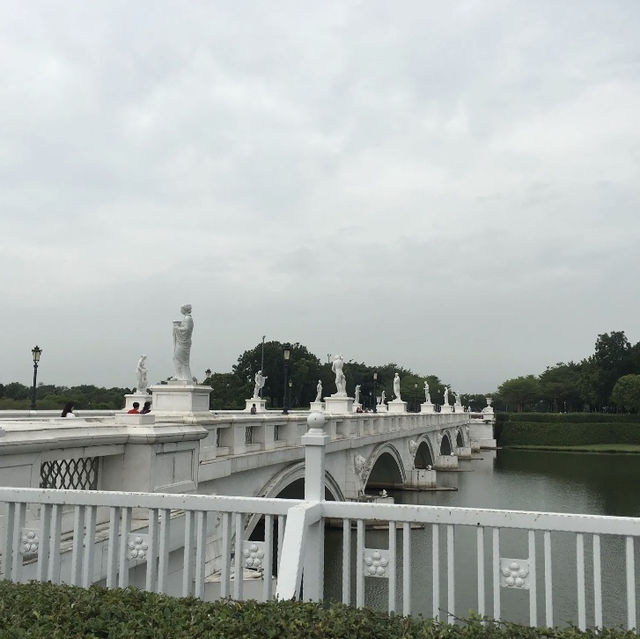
314, 443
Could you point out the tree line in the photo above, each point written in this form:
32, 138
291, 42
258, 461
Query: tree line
16, 396
608, 380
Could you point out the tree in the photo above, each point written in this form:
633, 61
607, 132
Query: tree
520, 392
626, 393
560, 386
613, 359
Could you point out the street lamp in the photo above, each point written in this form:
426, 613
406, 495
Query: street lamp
286, 355
208, 375
375, 394
289, 396
36, 351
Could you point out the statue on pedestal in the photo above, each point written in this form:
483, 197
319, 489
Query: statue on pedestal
382, 398
182, 330
446, 395
341, 380
396, 386
318, 392
259, 379
427, 394
141, 376
357, 394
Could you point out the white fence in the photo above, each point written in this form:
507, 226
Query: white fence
567, 568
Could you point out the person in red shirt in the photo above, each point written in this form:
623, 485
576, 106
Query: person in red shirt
134, 410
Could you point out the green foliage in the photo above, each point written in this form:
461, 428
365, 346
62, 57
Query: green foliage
626, 393
550, 429
46, 611
16, 396
520, 392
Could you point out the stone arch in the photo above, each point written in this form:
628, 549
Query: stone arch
424, 454
459, 438
445, 444
385, 459
294, 473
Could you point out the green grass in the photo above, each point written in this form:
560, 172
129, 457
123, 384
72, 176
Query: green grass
46, 611
586, 448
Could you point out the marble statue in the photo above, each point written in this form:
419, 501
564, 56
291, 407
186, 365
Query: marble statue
446, 395
357, 394
382, 398
141, 375
458, 399
319, 391
341, 380
182, 330
260, 379
396, 386
413, 447
427, 394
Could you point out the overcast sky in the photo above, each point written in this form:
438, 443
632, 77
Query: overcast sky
453, 186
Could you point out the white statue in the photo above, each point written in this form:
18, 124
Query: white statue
427, 394
413, 447
446, 395
141, 375
319, 391
458, 399
396, 386
382, 398
357, 394
259, 379
341, 380
182, 330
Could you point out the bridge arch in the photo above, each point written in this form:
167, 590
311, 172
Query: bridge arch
424, 454
459, 438
386, 466
445, 445
291, 482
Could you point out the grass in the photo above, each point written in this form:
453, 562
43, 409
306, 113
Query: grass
583, 448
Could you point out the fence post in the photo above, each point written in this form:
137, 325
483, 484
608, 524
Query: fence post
314, 443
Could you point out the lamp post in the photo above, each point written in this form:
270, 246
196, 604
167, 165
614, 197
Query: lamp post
375, 394
286, 354
415, 395
208, 374
289, 395
36, 351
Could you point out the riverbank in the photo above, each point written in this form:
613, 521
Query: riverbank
586, 448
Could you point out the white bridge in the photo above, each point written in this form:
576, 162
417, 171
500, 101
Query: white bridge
162, 539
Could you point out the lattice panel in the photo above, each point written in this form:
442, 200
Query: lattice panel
71, 474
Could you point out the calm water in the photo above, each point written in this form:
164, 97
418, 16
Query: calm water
599, 484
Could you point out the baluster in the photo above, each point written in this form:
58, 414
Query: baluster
548, 580
480, 554
21, 509
406, 568
54, 549
89, 546
533, 591
225, 577
152, 552
187, 555
8, 555
435, 569
43, 548
359, 563
281, 525
163, 550
631, 585
239, 560
112, 551
267, 586
582, 619
391, 568
76, 553
451, 585
201, 552
123, 566
597, 582
346, 561
496, 573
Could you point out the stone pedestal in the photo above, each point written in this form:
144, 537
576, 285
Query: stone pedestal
458, 408
338, 405
482, 433
427, 407
141, 398
261, 405
463, 452
397, 406
446, 462
446, 409
316, 407
422, 478
179, 398
382, 408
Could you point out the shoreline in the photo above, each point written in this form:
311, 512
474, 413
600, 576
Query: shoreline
633, 449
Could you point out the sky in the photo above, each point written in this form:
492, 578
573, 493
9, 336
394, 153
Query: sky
450, 186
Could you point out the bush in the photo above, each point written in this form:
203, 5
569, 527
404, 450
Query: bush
46, 611
570, 429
